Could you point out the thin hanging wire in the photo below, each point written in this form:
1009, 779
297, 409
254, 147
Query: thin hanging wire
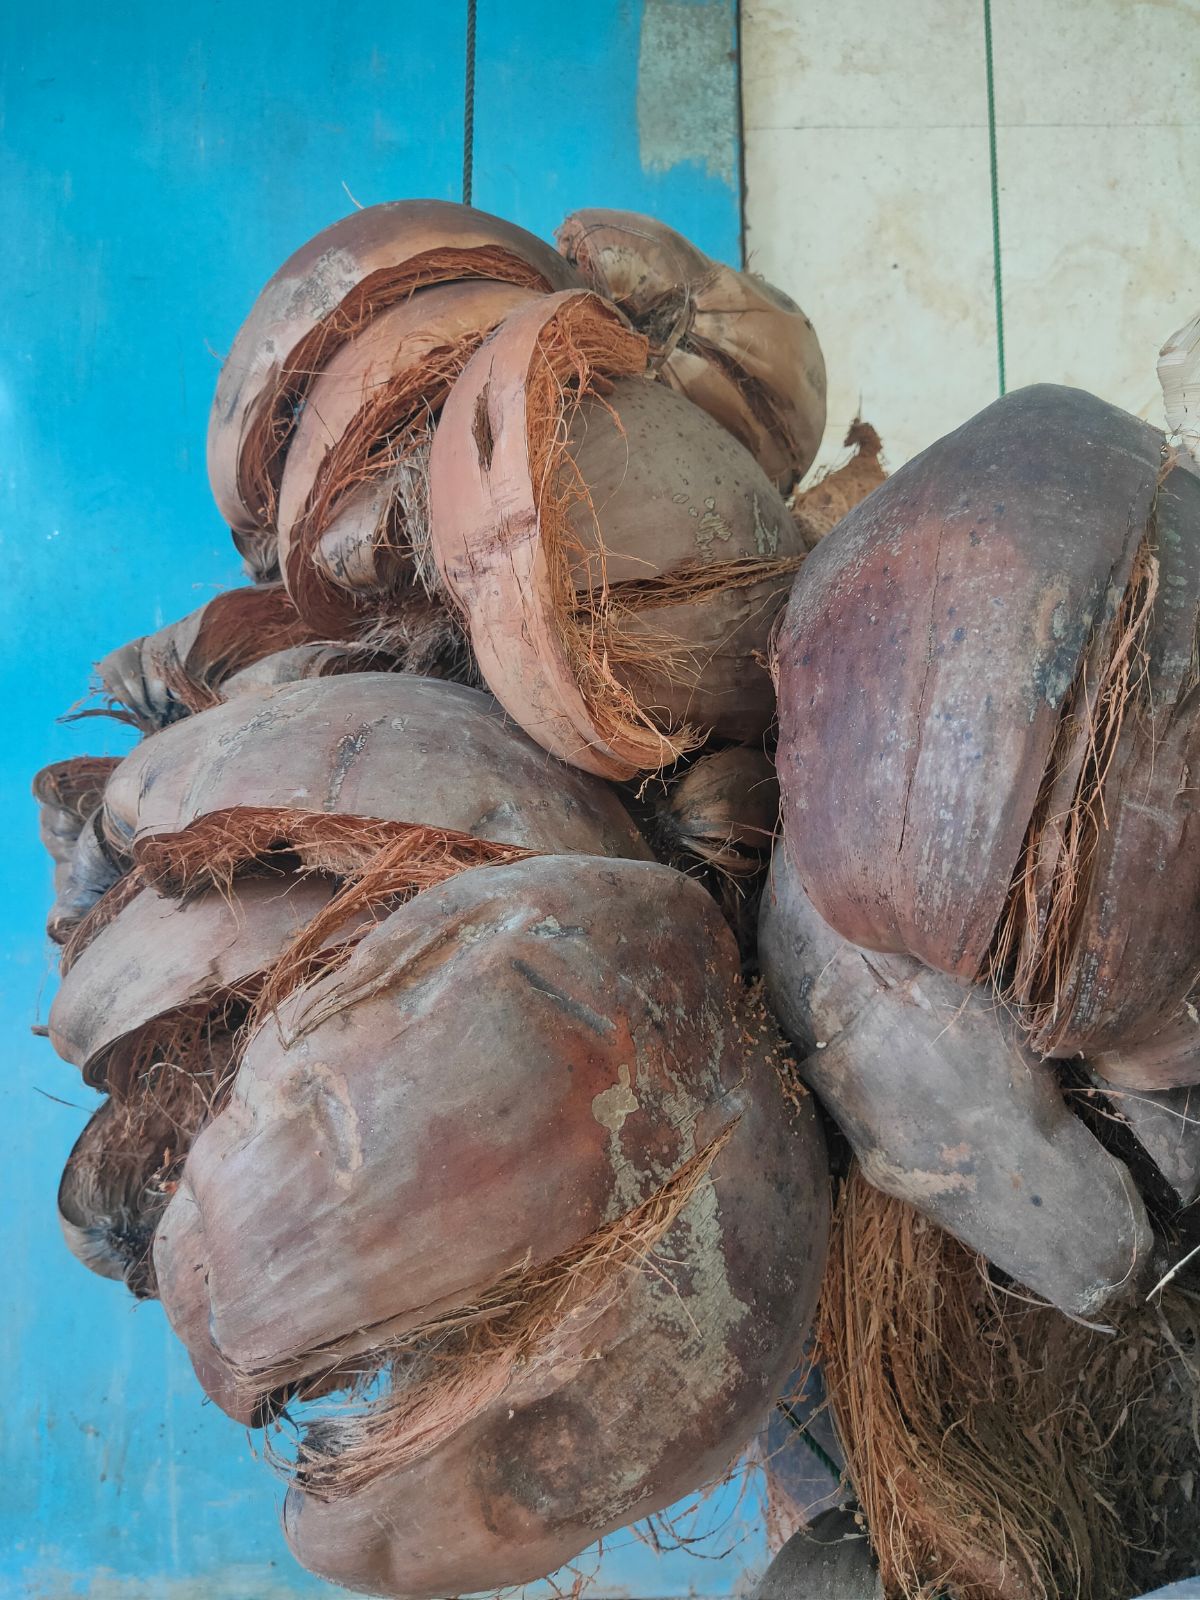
469, 107
995, 183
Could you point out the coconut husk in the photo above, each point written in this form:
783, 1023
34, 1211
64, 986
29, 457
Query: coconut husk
1000, 1451
323, 295
167, 675
948, 1110
67, 793
729, 341
159, 967
723, 810
309, 661
588, 1225
619, 559
1166, 1125
824, 503
124, 1167
305, 766
95, 867
359, 453
996, 718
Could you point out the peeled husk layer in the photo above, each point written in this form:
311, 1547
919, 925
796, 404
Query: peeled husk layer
346, 549
619, 559
1013, 728
610, 1177
998, 1450
323, 295
160, 962
181, 668
728, 341
946, 1109
388, 747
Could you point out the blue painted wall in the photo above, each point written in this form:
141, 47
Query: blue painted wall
157, 162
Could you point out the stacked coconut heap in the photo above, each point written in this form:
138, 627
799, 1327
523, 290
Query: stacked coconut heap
443, 1118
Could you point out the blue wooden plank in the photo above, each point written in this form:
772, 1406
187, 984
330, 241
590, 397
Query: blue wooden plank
158, 162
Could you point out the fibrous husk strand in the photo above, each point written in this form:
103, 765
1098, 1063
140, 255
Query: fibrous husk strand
445, 1372
979, 1475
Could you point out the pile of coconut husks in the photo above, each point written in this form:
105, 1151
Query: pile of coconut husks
503, 1103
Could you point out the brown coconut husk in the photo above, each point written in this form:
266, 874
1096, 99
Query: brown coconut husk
948, 1110
347, 550
729, 341
68, 793
95, 867
678, 1268
322, 296
999, 1450
610, 636
155, 964
125, 1165
825, 502
378, 746
1028, 679
531, 945
723, 811
166, 675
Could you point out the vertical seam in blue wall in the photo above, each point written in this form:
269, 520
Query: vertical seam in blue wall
740, 129
995, 183
468, 172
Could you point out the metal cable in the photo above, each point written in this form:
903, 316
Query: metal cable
469, 108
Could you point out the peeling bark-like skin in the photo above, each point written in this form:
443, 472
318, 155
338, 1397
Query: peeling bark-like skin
925, 656
947, 1110
374, 745
417, 348
158, 956
352, 270
729, 341
673, 498
507, 1063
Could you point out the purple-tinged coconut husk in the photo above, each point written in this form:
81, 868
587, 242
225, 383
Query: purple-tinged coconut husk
949, 1111
309, 767
181, 668
984, 654
352, 520
734, 345
323, 295
651, 1202
618, 557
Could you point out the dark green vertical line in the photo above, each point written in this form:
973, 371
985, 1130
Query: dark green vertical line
995, 179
